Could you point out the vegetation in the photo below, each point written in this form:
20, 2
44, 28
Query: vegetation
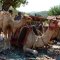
14, 3
54, 10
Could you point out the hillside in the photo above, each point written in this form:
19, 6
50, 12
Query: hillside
42, 13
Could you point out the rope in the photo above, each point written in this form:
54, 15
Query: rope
43, 41
37, 40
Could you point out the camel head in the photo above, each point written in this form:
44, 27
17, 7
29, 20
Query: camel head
54, 21
27, 19
53, 24
5, 13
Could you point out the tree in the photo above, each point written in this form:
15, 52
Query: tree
54, 10
14, 3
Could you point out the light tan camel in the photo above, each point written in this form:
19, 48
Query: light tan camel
6, 22
6, 26
33, 41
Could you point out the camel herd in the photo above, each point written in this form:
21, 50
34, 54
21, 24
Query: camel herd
9, 26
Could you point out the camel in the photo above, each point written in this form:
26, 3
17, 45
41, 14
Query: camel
33, 41
6, 22
8, 25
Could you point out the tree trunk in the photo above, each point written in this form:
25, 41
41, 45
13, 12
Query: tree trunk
6, 4
5, 7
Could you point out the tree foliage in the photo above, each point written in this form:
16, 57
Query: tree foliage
54, 10
14, 3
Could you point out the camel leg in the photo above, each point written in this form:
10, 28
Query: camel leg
9, 38
6, 41
30, 51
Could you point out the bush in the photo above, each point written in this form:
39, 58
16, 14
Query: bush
54, 10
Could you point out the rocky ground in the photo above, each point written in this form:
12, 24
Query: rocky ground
53, 53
